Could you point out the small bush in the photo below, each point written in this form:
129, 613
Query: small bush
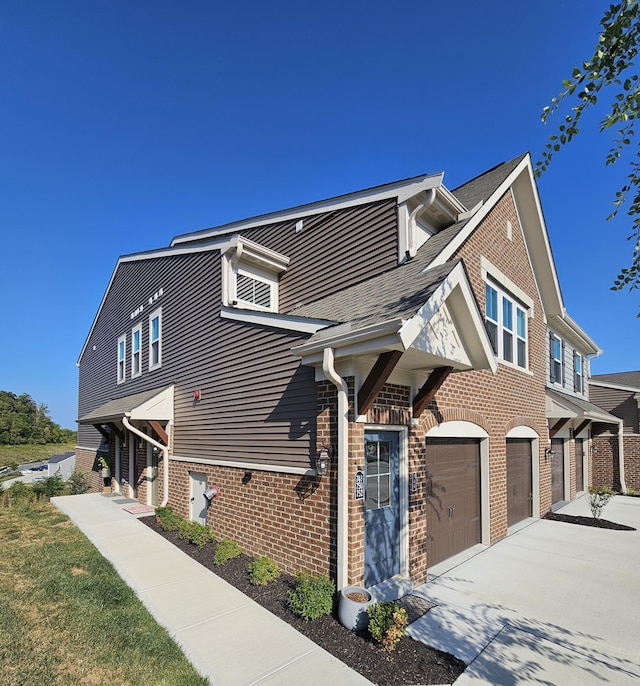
263, 571
50, 487
77, 483
226, 550
200, 534
387, 623
168, 519
313, 596
598, 498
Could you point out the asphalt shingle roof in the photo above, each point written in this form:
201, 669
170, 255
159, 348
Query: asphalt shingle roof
119, 406
631, 379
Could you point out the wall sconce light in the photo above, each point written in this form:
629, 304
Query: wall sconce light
323, 458
247, 477
549, 452
155, 450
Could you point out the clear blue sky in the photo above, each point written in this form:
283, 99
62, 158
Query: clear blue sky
123, 124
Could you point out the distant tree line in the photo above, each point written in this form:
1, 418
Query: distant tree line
22, 421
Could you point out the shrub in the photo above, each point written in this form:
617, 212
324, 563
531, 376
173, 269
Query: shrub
263, 571
77, 483
313, 596
226, 550
598, 498
200, 534
50, 487
185, 529
168, 519
387, 623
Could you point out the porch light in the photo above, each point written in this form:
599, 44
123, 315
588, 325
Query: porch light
549, 452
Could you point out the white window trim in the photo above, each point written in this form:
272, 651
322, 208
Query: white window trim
156, 313
122, 361
516, 305
578, 356
136, 329
256, 275
553, 359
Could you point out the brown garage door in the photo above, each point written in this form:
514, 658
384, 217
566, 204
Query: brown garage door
579, 464
453, 496
557, 470
519, 480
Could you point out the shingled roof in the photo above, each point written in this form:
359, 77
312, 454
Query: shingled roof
630, 379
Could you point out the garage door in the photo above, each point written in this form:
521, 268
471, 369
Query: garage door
453, 496
557, 470
519, 480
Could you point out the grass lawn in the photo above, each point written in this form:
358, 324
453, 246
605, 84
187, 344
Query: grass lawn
31, 453
66, 617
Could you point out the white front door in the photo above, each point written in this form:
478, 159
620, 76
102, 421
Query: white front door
198, 508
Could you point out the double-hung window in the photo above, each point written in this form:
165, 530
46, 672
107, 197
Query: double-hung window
136, 348
506, 322
556, 361
122, 358
578, 374
155, 339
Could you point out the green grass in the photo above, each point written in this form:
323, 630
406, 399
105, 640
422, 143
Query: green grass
30, 453
67, 618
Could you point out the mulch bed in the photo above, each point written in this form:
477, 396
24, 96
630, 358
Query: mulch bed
587, 521
411, 662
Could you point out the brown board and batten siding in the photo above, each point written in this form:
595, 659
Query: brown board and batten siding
333, 250
619, 403
247, 375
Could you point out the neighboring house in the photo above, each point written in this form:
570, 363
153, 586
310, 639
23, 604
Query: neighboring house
617, 462
370, 380
63, 465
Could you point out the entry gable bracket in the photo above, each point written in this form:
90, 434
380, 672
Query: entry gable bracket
376, 379
557, 426
117, 431
104, 432
583, 425
429, 389
159, 429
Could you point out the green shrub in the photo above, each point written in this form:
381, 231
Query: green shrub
77, 483
226, 550
598, 498
387, 623
263, 571
313, 596
19, 492
168, 519
50, 487
185, 529
200, 534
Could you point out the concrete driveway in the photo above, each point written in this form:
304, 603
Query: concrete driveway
554, 603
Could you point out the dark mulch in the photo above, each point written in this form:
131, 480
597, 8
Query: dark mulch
411, 662
588, 521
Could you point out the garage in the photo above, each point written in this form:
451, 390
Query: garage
519, 480
452, 496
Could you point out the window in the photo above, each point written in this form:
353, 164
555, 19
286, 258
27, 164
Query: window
122, 358
507, 333
378, 490
253, 291
578, 375
556, 356
136, 342
155, 339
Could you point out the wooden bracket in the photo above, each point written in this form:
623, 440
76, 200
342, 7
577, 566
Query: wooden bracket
557, 426
159, 429
376, 379
430, 387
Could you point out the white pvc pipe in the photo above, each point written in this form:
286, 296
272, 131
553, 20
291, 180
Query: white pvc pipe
165, 456
328, 366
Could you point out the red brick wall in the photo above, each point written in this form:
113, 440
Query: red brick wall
632, 461
605, 467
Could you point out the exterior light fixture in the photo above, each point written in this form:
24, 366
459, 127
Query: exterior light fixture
549, 452
323, 458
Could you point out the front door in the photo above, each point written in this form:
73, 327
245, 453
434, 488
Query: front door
579, 465
557, 470
198, 510
519, 480
382, 514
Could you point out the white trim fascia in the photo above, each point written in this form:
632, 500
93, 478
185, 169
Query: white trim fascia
84, 447
263, 467
402, 190
522, 432
250, 251
575, 334
457, 429
274, 319
616, 387
150, 255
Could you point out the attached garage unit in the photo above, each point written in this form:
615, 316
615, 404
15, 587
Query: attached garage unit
452, 496
557, 470
519, 480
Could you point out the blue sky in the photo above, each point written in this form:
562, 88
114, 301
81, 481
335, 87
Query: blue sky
123, 124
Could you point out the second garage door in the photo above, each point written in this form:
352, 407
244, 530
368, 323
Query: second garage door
453, 496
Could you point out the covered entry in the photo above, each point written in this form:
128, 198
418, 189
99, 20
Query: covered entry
452, 496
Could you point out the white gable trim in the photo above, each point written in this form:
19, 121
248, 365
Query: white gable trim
279, 321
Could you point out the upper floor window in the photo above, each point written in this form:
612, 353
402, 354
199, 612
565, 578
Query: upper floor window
578, 373
122, 358
136, 343
556, 359
506, 323
251, 275
155, 339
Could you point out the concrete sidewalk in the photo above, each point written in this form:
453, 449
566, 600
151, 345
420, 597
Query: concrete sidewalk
554, 603
227, 636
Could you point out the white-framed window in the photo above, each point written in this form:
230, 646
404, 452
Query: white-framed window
506, 322
578, 373
556, 359
155, 339
122, 358
136, 351
255, 291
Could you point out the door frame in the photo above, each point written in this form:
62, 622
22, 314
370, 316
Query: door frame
462, 429
403, 486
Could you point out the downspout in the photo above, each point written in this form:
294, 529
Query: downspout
623, 484
427, 202
328, 367
165, 457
